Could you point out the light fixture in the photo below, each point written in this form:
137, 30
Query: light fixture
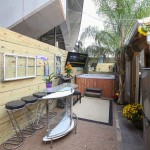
148, 37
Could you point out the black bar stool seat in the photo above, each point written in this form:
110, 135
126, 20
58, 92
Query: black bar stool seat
15, 105
39, 94
77, 93
29, 99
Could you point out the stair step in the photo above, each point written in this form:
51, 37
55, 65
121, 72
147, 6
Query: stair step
93, 94
94, 90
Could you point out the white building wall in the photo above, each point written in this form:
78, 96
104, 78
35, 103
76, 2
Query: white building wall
32, 5
64, 6
10, 12
27, 16
13, 11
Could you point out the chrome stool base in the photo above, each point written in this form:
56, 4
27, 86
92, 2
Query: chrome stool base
39, 122
17, 140
41, 119
30, 130
39, 125
13, 143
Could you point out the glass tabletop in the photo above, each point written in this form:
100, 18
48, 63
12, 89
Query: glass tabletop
64, 87
59, 88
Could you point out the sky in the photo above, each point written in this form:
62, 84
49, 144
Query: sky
89, 18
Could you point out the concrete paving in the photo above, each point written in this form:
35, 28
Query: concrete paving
132, 138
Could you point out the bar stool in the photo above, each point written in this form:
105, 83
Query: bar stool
17, 140
42, 107
78, 94
29, 100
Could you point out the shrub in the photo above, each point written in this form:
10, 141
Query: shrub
133, 112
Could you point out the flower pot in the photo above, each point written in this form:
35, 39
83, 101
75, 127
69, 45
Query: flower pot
138, 124
48, 87
115, 98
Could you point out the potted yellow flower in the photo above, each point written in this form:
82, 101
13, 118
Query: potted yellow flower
115, 97
133, 113
144, 29
68, 69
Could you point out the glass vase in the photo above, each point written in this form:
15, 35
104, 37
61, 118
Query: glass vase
68, 74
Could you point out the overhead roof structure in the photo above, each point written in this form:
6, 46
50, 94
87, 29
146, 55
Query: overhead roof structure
57, 20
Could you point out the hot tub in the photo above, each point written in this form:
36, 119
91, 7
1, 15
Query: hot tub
103, 81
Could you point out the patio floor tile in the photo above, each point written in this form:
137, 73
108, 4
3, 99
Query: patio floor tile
91, 136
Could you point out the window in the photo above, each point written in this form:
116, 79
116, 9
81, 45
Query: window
18, 67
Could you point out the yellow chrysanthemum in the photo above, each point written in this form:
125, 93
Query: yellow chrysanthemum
141, 31
133, 112
117, 94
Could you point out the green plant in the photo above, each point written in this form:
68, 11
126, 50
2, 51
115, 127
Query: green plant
145, 28
133, 112
49, 78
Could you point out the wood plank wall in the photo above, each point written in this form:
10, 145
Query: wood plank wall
14, 43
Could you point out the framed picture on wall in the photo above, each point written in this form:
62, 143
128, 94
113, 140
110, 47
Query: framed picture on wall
57, 65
